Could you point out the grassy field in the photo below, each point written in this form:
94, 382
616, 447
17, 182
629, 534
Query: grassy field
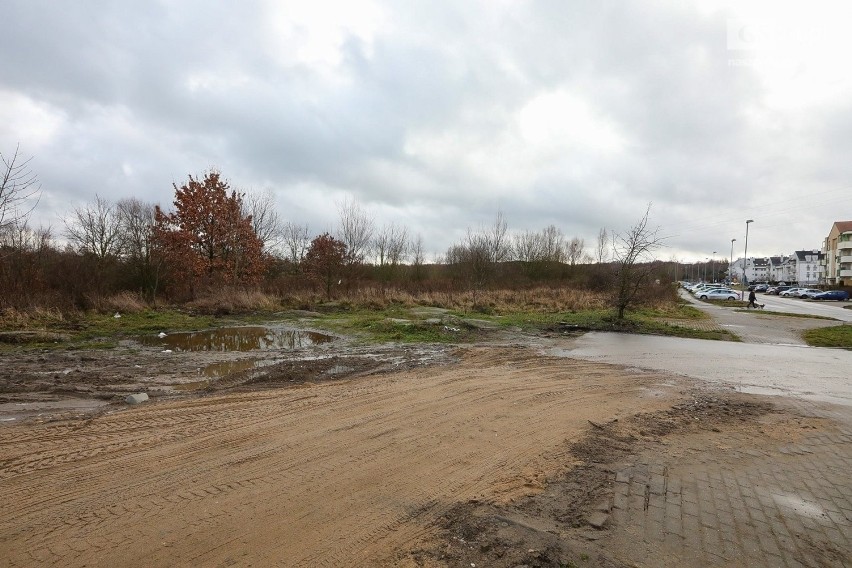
835, 336
435, 318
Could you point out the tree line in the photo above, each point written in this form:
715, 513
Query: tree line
215, 236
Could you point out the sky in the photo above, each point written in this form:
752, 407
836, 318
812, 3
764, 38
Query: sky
437, 114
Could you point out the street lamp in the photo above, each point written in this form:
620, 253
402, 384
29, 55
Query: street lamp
713, 268
731, 266
745, 254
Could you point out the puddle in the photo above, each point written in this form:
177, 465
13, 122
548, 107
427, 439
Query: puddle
225, 368
193, 386
11, 412
236, 339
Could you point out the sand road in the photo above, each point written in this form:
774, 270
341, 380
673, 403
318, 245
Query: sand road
336, 474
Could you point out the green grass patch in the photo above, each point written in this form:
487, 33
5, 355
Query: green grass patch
834, 336
787, 314
673, 320
92, 330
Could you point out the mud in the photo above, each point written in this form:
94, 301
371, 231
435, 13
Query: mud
555, 527
63, 384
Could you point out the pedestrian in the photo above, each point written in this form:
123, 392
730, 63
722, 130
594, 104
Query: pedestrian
751, 300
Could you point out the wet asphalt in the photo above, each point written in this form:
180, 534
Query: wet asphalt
771, 359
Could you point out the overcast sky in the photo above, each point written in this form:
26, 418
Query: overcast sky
435, 114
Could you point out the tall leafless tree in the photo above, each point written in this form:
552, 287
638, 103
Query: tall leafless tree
574, 250
602, 248
136, 220
95, 229
527, 246
496, 239
391, 244
265, 220
19, 190
355, 230
632, 252
553, 244
417, 256
296, 241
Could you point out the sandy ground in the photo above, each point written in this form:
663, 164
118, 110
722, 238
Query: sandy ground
345, 455
341, 473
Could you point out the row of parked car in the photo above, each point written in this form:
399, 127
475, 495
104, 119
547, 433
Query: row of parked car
706, 291
804, 293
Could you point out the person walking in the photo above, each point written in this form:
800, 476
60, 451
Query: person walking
751, 300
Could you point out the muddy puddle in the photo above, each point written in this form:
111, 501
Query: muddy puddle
251, 338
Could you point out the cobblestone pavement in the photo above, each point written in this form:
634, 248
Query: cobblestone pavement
744, 499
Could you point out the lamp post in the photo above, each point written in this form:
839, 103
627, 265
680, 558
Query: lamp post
731, 266
745, 253
713, 268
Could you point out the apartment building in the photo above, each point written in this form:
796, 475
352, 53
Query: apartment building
837, 255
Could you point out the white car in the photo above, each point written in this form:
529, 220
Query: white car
791, 293
808, 292
718, 294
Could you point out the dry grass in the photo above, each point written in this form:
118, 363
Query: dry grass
532, 300
14, 319
234, 301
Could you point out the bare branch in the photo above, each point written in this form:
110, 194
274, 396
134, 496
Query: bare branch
18, 186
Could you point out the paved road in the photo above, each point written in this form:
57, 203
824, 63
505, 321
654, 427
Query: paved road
772, 359
796, 306
751, 497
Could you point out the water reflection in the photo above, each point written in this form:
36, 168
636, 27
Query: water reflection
236, 339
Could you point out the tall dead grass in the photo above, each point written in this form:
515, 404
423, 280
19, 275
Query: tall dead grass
12, 319
234, 301
532, 300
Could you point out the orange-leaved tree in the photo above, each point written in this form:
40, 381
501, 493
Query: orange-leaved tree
325, 260
207, 237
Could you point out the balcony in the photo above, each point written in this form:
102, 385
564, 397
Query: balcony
844, 245
846, 259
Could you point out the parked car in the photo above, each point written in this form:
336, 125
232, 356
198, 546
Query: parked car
771, 290
718, 294
712, 289
790, 293
761, 288
808, 292
838, 295
778, 289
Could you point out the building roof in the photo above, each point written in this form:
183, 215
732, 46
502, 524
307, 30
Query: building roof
844, 226
801, 254
761, 262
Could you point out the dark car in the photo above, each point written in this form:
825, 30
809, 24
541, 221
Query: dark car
778, 289
761, 288
838, 295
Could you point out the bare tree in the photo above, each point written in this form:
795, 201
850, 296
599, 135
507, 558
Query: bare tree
355, 230
296, 241
265, 220
632, 252
96, 229
602, 249
18, 186
575, 250
528, 246
391, 244
496, 240
417, 256
136, 220
553, 244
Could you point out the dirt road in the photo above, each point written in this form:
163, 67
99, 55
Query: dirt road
333, 474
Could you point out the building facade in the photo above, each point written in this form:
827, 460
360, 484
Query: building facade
837, 255
802, 268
